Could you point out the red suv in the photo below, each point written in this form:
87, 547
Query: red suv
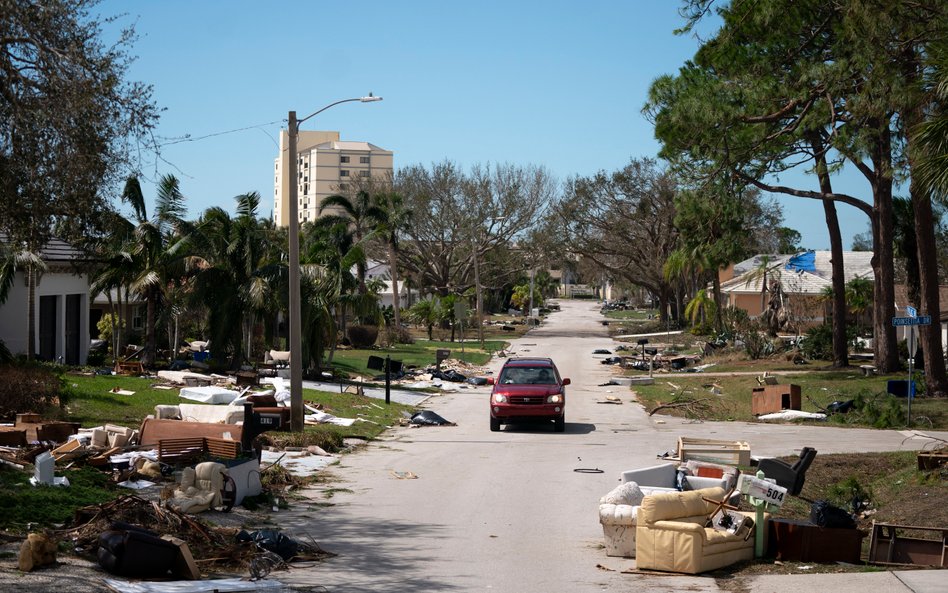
528, 389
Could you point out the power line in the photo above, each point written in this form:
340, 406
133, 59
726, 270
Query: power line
189, 138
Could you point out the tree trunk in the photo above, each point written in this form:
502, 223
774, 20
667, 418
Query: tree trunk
393, 272
31, 314
930, 336
716, 291
148, 357
840, 347
884, 342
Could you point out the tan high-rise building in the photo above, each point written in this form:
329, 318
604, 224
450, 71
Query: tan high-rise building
326, 166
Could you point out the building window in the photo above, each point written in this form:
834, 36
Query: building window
343, 173
138, 321
363, 173
343, 159
364, 160
343, 186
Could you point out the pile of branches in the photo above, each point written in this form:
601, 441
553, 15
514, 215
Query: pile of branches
211, 547
693, 408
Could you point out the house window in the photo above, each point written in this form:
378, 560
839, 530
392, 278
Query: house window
343, 159
137, 321
344, 173
364, 160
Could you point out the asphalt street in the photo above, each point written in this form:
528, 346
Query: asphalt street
508, 512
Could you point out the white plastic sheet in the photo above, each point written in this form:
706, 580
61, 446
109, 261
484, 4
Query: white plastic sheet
208, 586
793, 415
209, 395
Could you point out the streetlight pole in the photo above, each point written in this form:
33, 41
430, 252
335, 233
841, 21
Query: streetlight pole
296, 330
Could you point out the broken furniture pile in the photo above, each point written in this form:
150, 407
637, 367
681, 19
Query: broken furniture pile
701, 512
179, 467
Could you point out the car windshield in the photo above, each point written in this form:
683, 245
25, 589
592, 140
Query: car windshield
528, 376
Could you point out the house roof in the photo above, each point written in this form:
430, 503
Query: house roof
56, 251
902, 300
350, 145
808, 272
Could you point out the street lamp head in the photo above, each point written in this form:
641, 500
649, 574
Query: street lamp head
370, 98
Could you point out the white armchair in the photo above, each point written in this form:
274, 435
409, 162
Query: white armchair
617, 514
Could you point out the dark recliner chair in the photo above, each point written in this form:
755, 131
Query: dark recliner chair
789, 476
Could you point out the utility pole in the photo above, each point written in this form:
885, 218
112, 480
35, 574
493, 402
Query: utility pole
296, 344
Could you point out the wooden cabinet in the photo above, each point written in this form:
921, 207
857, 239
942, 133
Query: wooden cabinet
774, 398
801, 541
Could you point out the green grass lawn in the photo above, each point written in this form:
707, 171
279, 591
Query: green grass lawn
633, 315
818, 388
91, 403
420, 354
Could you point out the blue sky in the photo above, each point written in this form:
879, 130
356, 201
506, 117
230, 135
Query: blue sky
554, 83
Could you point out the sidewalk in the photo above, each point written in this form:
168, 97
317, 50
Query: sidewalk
896, 581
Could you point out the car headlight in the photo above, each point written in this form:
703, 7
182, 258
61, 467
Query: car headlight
555, 399
499, 398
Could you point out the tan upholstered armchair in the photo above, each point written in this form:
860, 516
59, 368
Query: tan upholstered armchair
671, 534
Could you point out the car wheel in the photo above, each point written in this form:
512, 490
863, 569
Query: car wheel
494, 424
559, 425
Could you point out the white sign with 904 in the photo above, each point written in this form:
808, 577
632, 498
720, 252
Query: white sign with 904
762, 489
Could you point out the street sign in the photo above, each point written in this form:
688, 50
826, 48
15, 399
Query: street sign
901, 321
912, 341
911, 311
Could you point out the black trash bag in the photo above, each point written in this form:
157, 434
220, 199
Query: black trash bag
824, 514
839, 407
477, 381
271, 540
601, 351
429, 418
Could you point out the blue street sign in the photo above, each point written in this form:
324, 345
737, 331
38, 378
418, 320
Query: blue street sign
911, 311
923, 320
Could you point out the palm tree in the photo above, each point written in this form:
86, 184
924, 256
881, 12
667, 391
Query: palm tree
153, 254
360, 214
393, 217
701, 308
230, 274
33, 266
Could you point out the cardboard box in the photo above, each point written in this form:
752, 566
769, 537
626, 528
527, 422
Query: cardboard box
184, 567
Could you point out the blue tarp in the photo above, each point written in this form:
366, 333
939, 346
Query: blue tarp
803, 262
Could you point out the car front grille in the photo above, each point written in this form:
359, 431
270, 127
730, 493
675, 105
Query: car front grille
528, 400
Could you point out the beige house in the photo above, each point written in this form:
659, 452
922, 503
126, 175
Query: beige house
803, 278
326, 166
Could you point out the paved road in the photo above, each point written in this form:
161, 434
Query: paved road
506, 512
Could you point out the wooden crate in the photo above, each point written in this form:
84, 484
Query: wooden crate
891, 544
724, 452
188, 449
800, 541
775, 398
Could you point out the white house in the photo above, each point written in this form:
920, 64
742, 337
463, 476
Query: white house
61, 308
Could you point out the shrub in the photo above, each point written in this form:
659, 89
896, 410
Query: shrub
362, 336
28, 387
881, 410
398, 335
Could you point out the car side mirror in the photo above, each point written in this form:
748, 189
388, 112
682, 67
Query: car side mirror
490, 380
566, 381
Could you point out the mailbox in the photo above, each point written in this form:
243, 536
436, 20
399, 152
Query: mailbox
442, 355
